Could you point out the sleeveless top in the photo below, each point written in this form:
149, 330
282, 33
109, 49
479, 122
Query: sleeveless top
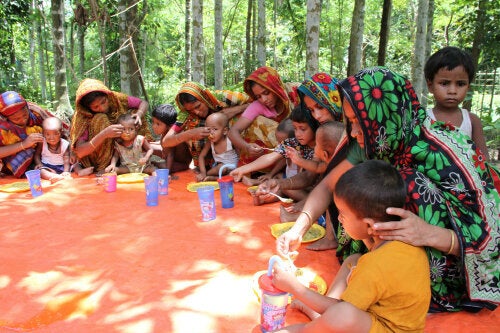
465, 127
51, 158
230, 156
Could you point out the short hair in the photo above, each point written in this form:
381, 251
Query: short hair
219, 118
299, 115
52, 123
286, 126
370, 187
166, 113
124, 117
86, 100
330, 133
449, 57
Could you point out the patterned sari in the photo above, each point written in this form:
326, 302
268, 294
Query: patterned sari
216, 101
87, 124
449, 184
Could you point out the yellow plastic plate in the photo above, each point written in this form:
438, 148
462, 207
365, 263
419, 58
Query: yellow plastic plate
129, 178
192, 187
15, 187
306, 276
314, 233
252, 189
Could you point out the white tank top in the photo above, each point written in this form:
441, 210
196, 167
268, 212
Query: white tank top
465, 127
54, 159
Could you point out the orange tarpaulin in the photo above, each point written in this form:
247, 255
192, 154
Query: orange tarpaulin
79, 259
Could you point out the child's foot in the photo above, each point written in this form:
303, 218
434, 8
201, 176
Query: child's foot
323, 244
286, 216
296, 304
56, 178
249, 181
85, 172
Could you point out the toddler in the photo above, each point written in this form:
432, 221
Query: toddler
385, 290
52, 157
175, 158
449, 73
129, 150
220, 146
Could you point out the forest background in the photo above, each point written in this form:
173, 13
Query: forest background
148, 48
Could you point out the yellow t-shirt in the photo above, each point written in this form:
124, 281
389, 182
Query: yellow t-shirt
392, 283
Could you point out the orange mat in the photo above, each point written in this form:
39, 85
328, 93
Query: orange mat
78, 259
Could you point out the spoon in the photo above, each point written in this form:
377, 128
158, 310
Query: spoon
285, 200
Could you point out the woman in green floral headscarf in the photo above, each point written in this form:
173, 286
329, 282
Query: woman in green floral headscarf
453, 194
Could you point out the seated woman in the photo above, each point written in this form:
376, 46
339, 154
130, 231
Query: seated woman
256, 127
94, 126
452, 205
195, 103
20, 132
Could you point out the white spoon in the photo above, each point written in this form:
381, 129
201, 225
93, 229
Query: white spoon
285, 200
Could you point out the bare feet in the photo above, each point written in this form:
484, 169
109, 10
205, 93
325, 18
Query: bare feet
85, 172
56, 178
249, 181
286, 216
323, 244
296, 304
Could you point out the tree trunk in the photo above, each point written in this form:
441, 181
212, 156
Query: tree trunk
198, 47
41, 62
248, 39
219, 69
187, 42
101, 27
312, 36
261, 33
428, 47
63, 106
129, 68
417, 73
384, 32
356, 41
33, 30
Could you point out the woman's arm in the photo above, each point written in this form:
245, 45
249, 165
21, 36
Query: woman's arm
232, 111
14, 148
235, 134
84, 148
172, 139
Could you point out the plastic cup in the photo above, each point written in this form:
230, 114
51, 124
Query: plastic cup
162, 175
151, 185
207, 203
226, 191
109, 182
273, 305
34, 182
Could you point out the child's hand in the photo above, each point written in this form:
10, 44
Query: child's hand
110, 168
265, 177
200, 177
292, 154
284, 280
237, 174
38, 166
143, 160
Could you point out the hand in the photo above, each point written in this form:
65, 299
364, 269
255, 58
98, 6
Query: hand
288, 242
137, 119
38, 166
143, 160
199, 133
292, 154
283, 279
32, 140
110, 168
295, 207
237, 174
200, 177
411, 229
113, 131
265, 177
271, 185
254, 149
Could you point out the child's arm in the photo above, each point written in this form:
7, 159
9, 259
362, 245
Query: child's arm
261, 163
38, 156
169, 155
146, 146
478, 135
277, 168
201, 161
112, 165
66, 161
313, 165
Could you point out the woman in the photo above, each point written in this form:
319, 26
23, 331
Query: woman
453, 205
94, 122
20, 131
257, 125
195, 103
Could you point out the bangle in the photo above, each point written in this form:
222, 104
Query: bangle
22, 147
452, 233
92, 144
306, 213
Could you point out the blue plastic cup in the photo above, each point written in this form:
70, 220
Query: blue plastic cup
162, 175
226, 191
151, 185
35, 182
207, 203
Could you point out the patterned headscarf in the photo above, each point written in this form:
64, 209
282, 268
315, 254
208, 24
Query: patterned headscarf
449, 183
269, 78
321, 88
10, 103
200, 93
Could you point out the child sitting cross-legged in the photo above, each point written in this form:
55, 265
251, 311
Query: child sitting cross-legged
384, 290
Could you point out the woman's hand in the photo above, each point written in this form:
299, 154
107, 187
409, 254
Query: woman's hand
32, 140
137, 119
199, 133
254, 149
411, 229
288, 242
113, 131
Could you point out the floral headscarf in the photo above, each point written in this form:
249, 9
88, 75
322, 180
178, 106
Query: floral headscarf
449, 184
269, 78
321, 88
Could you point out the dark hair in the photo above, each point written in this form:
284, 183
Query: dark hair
165, 113
299, 115
124, 117
186, 98
286, 126
370, 187
87, 99
449, 57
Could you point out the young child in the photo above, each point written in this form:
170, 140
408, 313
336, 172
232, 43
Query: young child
449, 73
384, 290
304, 142
175, 158
220, 146
52, 157
129, 150
283, 131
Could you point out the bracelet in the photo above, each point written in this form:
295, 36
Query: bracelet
22, 147
452, 233
92, 144
306, 213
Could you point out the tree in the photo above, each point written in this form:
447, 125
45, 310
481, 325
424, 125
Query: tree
198, 47
248, 39
63, 106
384, 32
312, 36
187, 40
417, 74
356, 40
218, 65
261, 32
